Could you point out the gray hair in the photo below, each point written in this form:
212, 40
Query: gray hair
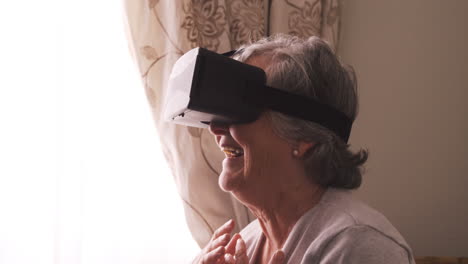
309, 68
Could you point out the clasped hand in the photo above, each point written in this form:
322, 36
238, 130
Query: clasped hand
222, 249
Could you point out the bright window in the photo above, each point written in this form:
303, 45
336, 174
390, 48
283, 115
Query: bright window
82, 177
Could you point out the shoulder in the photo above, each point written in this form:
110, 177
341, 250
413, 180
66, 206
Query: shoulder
352, 215
342, 229
364, 244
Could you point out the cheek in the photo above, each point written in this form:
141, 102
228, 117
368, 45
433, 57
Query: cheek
239, 134
260, 163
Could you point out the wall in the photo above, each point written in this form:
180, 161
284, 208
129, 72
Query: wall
411, 59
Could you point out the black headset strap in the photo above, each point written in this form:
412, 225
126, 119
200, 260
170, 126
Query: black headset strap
301, 107
305, 108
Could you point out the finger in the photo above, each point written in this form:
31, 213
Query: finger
241, 252
220, 241
278, 258
213, 256
229, 259
231, 247
224, 229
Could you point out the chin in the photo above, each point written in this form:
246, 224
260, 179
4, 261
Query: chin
229, 182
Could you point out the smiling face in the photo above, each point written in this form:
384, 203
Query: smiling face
255, 156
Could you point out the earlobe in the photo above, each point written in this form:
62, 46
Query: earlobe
295, 152
302, 148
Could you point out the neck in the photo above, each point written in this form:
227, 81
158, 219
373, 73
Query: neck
278, 213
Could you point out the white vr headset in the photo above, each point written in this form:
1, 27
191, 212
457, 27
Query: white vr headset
207, 87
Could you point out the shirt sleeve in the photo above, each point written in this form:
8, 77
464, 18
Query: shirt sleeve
364, 245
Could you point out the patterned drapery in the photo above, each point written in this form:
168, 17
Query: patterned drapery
160, 31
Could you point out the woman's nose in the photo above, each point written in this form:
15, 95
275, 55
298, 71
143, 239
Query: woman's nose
219, 129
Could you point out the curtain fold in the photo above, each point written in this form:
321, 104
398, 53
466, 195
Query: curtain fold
159, 32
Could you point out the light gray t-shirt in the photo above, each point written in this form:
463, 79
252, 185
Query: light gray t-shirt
338, 230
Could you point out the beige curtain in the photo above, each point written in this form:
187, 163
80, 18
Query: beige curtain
159, 32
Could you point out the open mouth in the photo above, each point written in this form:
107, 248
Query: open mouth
233, 152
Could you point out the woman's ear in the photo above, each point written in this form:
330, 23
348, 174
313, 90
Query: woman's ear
301, 148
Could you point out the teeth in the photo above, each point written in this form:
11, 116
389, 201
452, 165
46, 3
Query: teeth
232, 152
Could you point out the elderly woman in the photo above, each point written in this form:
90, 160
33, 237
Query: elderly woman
296, 175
